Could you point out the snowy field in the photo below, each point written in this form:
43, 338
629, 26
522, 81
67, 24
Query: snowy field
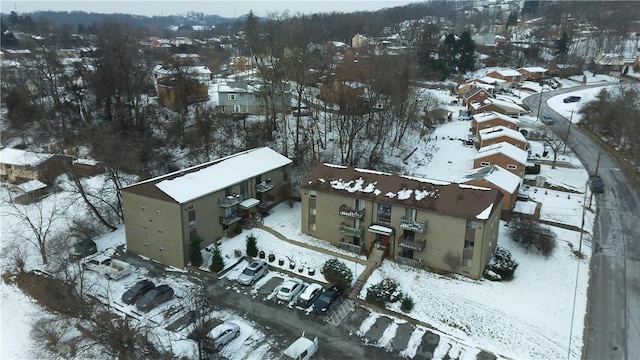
530, 317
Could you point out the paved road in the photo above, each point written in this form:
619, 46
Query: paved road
613, 310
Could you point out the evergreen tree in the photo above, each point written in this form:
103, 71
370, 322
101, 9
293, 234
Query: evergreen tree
466, 49
252, 246
217, 262
447, 55
562, 45
195, 256
513, 19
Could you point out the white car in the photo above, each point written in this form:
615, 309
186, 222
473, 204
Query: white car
110, 268
222, 334
308, 296
289, 289
301, 349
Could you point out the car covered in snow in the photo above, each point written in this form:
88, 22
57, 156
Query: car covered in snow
308, 296
301, 349
110, 268
221, 335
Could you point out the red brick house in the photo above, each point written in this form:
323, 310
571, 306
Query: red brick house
498, 134
504, 155
499, 106
477, 94
534, 73
495, 177
491, 119
509, 75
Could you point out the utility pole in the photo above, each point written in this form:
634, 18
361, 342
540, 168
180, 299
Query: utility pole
584, 210
566, 138
540, 101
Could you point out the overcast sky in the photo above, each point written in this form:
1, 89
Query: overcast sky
225, 8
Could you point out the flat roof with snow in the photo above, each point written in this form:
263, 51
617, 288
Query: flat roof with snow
195, 182
496, 175
498, 131
19, 157
491, 115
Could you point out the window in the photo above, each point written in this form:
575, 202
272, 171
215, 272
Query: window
233, 96
244, 188
312, 194
384, 213
359, 204
469, 244
512, 167
237, 108
484, 163
285, 176
471, 224
228, 191
411, 214
258, 179
191, 215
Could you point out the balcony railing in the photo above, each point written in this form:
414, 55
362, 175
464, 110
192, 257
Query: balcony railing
412, 244
416, 263
350, 247
230, 201
413, 225
229, 220
350, 230
347, 211
264, 186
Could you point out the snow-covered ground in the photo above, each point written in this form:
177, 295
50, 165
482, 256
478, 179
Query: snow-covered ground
531, 316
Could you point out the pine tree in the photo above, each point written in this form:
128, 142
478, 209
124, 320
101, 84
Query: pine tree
217, 262
195, 256
466, 53
252, 246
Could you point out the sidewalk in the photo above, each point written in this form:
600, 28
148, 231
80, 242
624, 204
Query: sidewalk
362, 279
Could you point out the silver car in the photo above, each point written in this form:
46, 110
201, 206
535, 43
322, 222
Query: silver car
253, 272
222, 334
289, 290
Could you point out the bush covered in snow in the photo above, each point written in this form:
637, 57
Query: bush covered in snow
502, 264
384, 292
532, 236
490, 275
337, 273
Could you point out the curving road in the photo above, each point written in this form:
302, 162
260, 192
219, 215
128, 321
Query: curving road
613, 307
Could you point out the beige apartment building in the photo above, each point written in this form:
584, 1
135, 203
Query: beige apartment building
422, 223
163, 214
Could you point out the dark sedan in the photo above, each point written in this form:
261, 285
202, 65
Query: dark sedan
136, 291
328, 299
571, 99
154, 297
597, 185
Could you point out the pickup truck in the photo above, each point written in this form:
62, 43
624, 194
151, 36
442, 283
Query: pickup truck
110, 268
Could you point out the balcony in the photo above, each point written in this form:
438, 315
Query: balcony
416, 263
264, 186
266, 202
351, 247
350, 230
229, 220
412, 225
412, 244
349, 212
230, 201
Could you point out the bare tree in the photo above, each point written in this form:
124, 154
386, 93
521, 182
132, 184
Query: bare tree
41, 221
452, 260
555, 144
200, 306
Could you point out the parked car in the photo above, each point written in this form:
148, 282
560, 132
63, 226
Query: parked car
82, 249
154, 297
571, 99
597, 185
548, 120
301, 349
221, 335
99, 264
136, 291
308, 296
289, 289
253, 272
328, 299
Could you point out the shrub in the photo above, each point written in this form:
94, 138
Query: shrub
406, 304
490, 275
337, 273
532, 170
217, 262
502, 264
384, 292
531, 236
252, 245
195, 256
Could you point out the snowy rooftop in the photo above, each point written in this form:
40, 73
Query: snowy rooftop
21, 157
501, 103
508, 72
490, 115
495, 175
534, 69
498, 131
504, 148
197, 181
446, 198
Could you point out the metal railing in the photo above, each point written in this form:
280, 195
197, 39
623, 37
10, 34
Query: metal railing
416, 263
230, 200
413, 225
350, 247
350, 230
345, 210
